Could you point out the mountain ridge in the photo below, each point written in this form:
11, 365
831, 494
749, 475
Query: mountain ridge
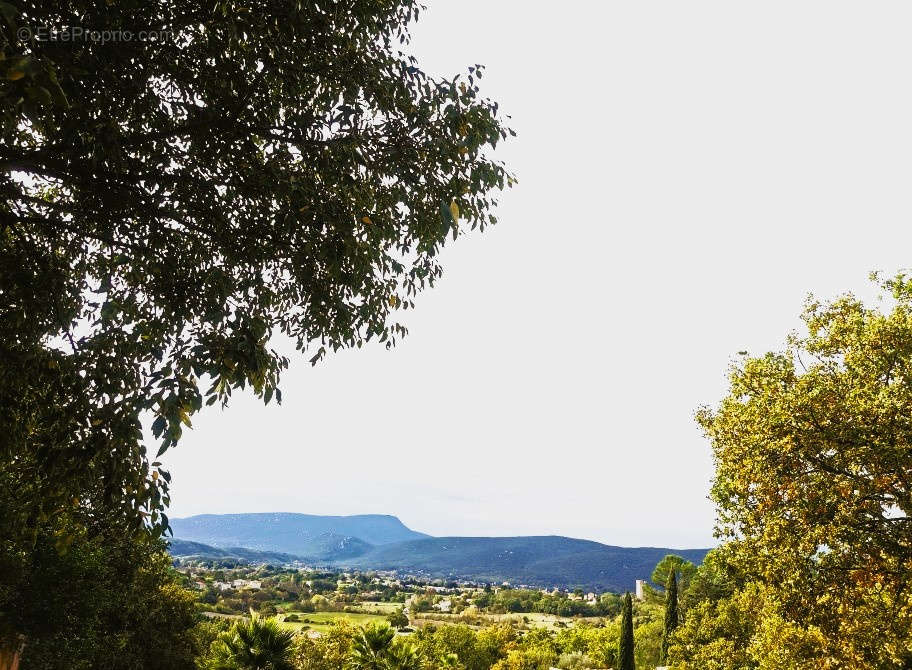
537, 560
309, 535
534, 560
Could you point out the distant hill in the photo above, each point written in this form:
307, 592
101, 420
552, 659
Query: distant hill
536, 561
185, 548
380, 542
323, 538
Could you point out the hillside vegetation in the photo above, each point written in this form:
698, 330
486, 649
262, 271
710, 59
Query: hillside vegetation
535, 561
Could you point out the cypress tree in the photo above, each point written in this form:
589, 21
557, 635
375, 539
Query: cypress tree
671, 611
625, 646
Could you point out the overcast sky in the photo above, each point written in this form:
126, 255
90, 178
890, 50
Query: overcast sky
689, 172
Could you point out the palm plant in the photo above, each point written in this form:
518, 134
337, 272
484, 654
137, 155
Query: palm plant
255, 644
403, 655
449, 661
371, 648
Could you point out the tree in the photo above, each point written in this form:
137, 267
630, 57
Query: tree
716, 634
171, 204
712, 581
254, 644
684, 571
398, 619
330, 651
474, 651
625, 644
671, 611
106, 601
812, 447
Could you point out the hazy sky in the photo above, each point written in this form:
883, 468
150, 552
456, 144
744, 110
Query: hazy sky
689, 171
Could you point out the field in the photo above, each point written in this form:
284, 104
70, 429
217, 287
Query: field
321, 621
380, 607
523, 620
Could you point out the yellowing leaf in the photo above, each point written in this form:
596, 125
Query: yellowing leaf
366, 220
454, 210
14, 75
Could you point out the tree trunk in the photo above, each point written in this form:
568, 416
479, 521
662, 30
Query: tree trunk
11, 652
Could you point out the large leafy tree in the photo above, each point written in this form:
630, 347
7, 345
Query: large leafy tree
169, 204
814, 453
108, 601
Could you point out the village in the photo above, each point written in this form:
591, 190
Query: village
310, 599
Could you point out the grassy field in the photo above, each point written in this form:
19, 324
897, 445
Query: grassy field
321, 621
377, 611
525, 620
380, 607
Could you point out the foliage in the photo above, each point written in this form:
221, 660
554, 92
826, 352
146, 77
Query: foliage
528, 600
713, 580
536, 650
403, 656
715, 635
328, 652
671, 611
376, 647
626, 642
398, 619
371, 647
473, 651
575, 661
684, 571
169, 205
647, 641
812, 447
252, 644
107, 601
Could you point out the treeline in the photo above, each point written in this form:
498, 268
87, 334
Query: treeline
459, 647
527, 600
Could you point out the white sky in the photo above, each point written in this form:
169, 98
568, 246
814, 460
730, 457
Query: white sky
688, 173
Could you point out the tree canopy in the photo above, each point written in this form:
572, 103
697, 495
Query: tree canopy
683, 569
813, 447
171, 203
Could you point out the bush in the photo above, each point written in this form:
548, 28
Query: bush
575, 661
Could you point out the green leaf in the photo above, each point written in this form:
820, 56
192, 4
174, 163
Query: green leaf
158, 426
